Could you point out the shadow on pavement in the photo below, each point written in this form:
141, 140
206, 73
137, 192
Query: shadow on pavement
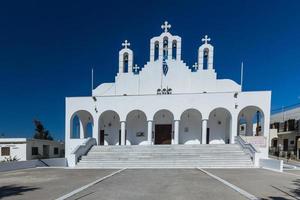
293, 193
12, 190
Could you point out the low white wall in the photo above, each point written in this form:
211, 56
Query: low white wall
271, 164
9, 166
52, 162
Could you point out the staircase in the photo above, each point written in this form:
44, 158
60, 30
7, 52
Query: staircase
166, 156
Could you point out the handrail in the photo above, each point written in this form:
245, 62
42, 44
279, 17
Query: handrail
81, 150
248, 148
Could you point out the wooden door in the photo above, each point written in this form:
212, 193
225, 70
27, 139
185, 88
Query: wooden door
163, 134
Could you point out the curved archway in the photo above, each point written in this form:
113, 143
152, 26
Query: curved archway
190, 127
252, 119
163, 127
78, 124
110, 126
136, 128
174, 49
156, 50
219, 126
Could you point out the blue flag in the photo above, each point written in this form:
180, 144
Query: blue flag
165, 66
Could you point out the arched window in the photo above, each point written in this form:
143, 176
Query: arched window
125, 61
174, 49
76, 127
89, 130
205, 58
165, 48
156, 50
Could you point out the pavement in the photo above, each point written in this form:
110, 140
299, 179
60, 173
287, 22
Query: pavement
149, 184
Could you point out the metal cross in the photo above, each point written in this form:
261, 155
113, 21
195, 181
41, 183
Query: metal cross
205, 39
135, 68
166, 26
125, 44
195, 66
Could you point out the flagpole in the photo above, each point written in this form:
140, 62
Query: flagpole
242, 75
92, 79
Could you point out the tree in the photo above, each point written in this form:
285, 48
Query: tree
40, 131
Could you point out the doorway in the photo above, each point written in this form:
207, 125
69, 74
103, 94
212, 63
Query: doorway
46, 151
285, 144
101, 137
163, 134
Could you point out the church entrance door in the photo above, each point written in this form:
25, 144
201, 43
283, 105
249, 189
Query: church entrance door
163, 134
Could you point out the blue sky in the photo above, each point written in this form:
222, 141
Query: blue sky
47, 49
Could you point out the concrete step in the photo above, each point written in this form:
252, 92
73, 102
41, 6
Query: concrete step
166, 156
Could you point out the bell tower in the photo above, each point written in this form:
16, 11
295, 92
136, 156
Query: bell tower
205, 55
125, 58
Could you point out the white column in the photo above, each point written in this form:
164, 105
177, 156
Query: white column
176, 131
123, 132
150, 132
96, 132
249, 127
82, 129
204, 131
233, 128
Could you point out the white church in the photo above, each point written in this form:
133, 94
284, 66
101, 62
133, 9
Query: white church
167, 103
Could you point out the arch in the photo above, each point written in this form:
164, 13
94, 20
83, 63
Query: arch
156, 50
219, 126
78, 123
190, 127
205, 58
125, 62
136, 128
89, 130
252, 117
75, 125
165, 47
174, 49
163, 127
110, 128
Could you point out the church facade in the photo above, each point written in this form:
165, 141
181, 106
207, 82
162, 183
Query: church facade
167, 102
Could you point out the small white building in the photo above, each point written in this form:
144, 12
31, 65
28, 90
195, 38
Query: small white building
285, 131
167, 101
29, 149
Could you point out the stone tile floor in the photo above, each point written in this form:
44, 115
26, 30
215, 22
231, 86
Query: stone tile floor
188, 184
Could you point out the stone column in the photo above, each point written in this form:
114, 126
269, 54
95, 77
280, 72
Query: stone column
149, 132
249, 127
96, 132
176, 131
204, 131
123, 139
233, 129
82, 129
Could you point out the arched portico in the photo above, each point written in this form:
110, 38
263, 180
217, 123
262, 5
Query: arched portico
136, 128
110, 128
252, 119
219, 126
190, 126
163, 127
80, 123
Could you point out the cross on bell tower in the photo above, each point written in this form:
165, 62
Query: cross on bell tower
205, 39
125, 44
195, 66
166, 26
135, 68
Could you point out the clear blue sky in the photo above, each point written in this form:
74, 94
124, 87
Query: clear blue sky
47, 49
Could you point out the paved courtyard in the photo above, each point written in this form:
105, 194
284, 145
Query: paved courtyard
52, 183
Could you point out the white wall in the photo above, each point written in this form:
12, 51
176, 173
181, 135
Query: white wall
136, 127
190, 127
219, 125
16, 150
